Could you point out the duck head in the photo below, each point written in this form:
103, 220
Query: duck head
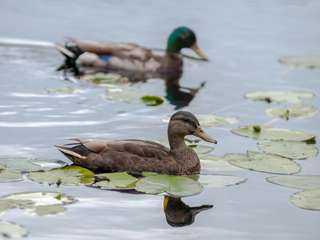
183, 37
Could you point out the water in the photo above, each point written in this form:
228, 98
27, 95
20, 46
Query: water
242, 39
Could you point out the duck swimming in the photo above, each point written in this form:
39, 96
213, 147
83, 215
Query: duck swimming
133, 155
129, 56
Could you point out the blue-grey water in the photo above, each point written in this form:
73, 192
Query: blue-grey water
243, 40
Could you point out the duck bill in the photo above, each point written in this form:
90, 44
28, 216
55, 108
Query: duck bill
202, 134
198, 51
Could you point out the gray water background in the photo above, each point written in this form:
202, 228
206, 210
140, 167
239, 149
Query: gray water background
242, 39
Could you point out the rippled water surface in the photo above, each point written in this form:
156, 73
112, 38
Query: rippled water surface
242, 39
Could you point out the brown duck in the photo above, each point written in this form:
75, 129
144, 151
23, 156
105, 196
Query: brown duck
133, 155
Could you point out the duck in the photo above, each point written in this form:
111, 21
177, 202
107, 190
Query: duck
134, 155
128, 56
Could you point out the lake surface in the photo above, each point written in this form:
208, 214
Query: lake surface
242, 39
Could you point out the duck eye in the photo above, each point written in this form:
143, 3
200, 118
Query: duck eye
186, 119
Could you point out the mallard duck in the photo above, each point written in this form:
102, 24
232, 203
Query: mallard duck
111, 55
133, 155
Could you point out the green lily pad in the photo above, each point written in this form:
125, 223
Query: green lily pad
197, 148
129, 96
69, 175
9, 176
214, 163
263, 162
46, 210
105, 79
295, 111
289, 149
12, 230
211, 120
297, 181
28, 165
309, 199
168, 185
116, 180
2, 167
279, 96
32, 200
270, 133
152, 100
63, 90
212, 181
309, 61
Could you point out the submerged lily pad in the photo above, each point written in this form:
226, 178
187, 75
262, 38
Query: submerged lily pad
69, 175
295, 111
309, 61
116, 180
309, 199
28, 165
63, 90
46, 210
211, 181
12, 230
289, 149
297, 181
130, 96
214, 163
270, 133
168, 185
263, 162
197, 148
211, 120
105, 79
9, 176
32, 200
279, 96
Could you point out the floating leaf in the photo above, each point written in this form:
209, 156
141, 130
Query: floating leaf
197, 148
4, 206
295, 111
69, 175
105, 79
9, 176
127, 96
168, 185
63, 90
279, 96
152, 100
213, 163
28, 165
46, 210
297, 181
211, 181
289, 149
309, 199
12, 230
263, 162
2, 167
309, 61
116, 180
211, 120
270, 133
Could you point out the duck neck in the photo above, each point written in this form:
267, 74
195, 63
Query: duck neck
176, 141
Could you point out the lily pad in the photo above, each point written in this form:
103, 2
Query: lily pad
270, 133
263, 162
105, 79
168, 185
289, 149
212, 181
2, 167
295, 111
279, 96
297, 181
309, 199
129, 96
28, 165
12, 230
152, 100
63, 90
309, 61
197, 148
116, 180
46, 210
211, 120
4, 206
9, 176
69, 175
214, 163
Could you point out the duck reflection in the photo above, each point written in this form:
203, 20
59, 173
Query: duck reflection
179, 214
